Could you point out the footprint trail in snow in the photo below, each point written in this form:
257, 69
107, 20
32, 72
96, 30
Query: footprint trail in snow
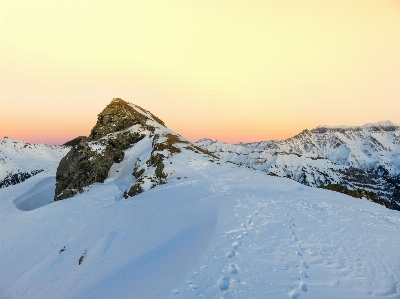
277, 246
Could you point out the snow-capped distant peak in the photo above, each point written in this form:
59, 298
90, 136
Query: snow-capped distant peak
384, 123
336, 127
7, 140
204, 140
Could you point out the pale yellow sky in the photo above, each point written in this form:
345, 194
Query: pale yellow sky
232, 71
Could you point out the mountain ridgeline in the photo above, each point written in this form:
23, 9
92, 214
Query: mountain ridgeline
132, 149
120, 127
19, 161
365, 158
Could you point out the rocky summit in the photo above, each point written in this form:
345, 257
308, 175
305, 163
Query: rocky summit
120, 115
120, 127
90, 159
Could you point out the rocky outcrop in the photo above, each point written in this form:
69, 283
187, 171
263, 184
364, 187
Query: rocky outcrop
153, 168
90, 159
117, 116
76, 141
90, 162
120, 126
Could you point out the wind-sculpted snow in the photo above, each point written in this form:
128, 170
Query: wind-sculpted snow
214, 231
327, 155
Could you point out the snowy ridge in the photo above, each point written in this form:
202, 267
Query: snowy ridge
18, 158
321, 155
384, 123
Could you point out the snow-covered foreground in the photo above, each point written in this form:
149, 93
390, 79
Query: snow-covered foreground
218, 231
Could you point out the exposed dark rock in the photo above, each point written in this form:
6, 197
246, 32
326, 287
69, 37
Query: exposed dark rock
155, 164
76, 141
134, 190
83, 165
82, 257
16, 178
90, 159
117, 116
360, 193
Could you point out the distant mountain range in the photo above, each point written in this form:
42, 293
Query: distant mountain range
20, 160
365, 157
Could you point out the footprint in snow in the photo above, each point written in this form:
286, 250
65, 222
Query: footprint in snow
232, 269
304, 274
236, 244
305, 265
230, 253
303, 286
224, 283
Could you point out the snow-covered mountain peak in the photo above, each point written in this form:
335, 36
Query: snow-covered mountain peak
380, 124
384, 123
6, 141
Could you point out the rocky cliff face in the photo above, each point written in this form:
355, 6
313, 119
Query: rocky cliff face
90, 159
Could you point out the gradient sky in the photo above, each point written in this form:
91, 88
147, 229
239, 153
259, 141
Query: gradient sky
231, 71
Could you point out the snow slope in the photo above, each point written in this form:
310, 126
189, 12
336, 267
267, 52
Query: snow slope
219, 231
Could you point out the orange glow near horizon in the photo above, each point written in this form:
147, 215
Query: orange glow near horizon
232, 71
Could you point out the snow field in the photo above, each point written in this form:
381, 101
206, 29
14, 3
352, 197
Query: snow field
218, 232
284, 240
